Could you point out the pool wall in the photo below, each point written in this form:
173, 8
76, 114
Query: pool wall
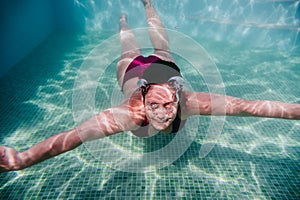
266, 23
25, 24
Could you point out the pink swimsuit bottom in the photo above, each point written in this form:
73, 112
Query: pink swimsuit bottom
137, 67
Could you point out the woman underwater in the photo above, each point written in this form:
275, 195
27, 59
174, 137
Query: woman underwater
154, 101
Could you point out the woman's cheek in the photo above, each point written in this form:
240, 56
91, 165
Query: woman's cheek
149, 115
174, 112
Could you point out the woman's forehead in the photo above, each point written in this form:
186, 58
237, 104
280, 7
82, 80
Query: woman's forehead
160, 93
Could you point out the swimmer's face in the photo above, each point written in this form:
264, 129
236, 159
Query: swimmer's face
161, 106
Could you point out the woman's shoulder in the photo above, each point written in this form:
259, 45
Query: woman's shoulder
135, 106
135, 99
194, 102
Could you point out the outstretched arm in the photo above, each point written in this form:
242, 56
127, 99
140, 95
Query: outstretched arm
106, 123
213, 104
10, 159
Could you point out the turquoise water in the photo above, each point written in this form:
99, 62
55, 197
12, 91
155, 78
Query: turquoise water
254, 158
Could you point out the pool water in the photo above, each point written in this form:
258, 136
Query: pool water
254, 158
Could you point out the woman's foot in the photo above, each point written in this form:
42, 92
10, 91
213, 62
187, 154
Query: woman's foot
123, 22
146, 2
123, 17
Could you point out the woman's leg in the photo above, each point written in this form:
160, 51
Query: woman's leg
157, 32
130, 48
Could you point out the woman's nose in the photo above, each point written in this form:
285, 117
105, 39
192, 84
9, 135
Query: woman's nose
161, 115
160, 110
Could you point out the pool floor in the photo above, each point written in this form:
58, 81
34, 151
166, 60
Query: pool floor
254, 158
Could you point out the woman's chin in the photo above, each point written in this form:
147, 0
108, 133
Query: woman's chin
160, 126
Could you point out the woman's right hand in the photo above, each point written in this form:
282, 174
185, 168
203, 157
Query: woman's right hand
9, 159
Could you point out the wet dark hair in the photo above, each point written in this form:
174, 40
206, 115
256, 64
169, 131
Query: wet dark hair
160, 72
